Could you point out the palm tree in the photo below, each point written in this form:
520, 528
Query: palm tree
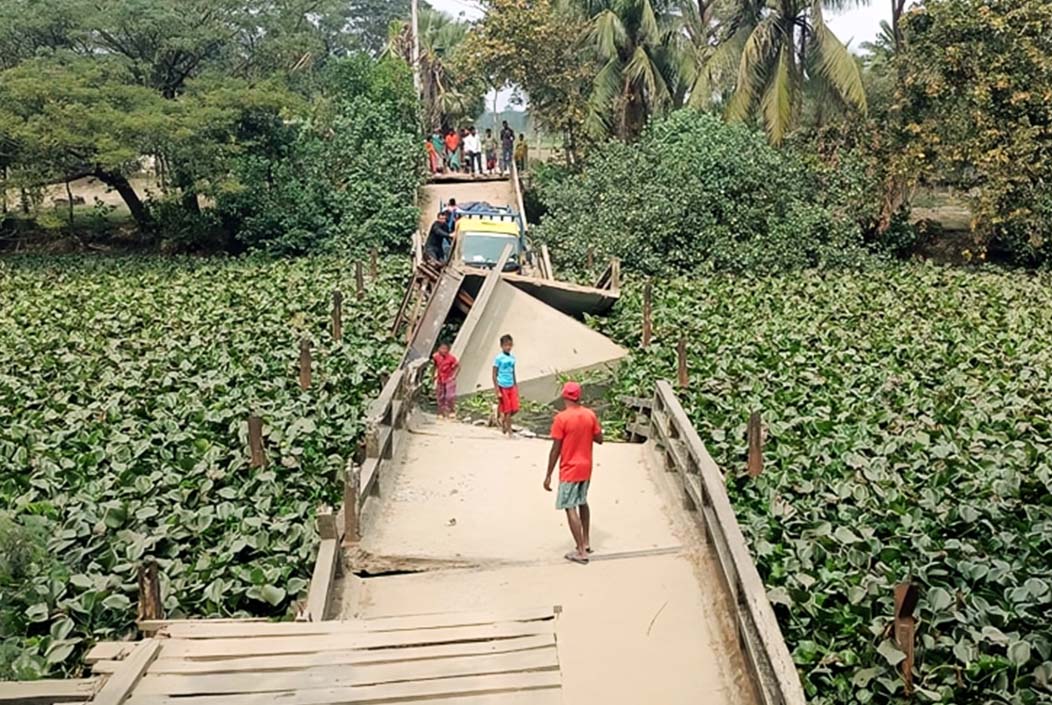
785, 44
447, 97
633, 40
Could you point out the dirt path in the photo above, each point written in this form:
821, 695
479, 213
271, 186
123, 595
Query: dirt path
643, 622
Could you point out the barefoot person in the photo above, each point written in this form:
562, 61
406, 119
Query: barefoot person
574, 430
446, 366
505, 384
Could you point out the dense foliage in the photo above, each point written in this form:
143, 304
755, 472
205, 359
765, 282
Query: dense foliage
908, 437
345, 179
695, 191
992, 139
125, 387
213, 101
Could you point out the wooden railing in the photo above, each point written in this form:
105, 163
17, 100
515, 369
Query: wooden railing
706, 495
386, 416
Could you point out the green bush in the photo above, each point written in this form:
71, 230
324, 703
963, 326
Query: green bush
342, 180
695, 191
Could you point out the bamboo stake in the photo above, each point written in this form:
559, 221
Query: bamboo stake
647, 313
359, 279
305, 363
681, 355
755, 434
151, 606
337, 315
255, 442
374, 264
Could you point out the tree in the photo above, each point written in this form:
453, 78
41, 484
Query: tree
370, 21
539, 47
632, 40
786, 44
975, 105
449, 92
66, 120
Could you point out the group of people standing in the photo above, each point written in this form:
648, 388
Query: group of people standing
465, 151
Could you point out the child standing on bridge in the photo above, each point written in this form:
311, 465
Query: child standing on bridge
505, 384
446, 367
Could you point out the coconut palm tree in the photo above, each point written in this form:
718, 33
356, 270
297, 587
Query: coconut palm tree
633, 41
785, 44
446, 95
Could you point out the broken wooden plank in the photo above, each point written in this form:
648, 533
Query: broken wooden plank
289, 662
45, 692
212, 648
109, 651
320, 593
152, 626
124, 679
413, 690
205, 629
340, 676
435, 314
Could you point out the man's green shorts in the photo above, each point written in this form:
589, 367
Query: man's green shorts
572, 494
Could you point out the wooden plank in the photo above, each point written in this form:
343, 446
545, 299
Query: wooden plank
121, 683
211, 648
546, 261
45, 692
290, 662
340, 676
637, 402
320, 593
204, 629
105, 667
434, 317
752, 595
368, 476
109, 651
418, 690
152, 626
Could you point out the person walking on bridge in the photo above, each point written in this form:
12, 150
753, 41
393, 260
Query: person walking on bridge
574, 431
507, 148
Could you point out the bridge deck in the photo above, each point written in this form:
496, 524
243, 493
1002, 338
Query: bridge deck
645, 621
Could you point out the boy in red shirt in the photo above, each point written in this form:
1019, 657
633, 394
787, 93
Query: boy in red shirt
574, 430
446, 366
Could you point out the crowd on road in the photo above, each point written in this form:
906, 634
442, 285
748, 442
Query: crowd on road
465, 151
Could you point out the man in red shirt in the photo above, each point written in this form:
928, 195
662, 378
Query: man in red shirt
574, 430
446, 366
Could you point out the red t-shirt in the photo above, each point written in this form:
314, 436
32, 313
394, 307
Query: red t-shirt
576, 427
446, 366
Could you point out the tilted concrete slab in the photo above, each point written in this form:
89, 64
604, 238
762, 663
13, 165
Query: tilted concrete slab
548, 344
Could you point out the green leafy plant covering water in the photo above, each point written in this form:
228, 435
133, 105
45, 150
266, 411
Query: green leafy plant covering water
908, 414
125, 385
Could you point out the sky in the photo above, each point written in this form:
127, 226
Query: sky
853, 26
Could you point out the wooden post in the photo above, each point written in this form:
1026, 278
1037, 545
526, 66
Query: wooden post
326, 523
681, 355
350, 504
304, 363
906, 596
647, 312
337, 315
374, 264
255, 442
359, 279
615, 273
755, 444
151, 606
590, 259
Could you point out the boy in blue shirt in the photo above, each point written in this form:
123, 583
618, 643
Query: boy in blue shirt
505, 384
